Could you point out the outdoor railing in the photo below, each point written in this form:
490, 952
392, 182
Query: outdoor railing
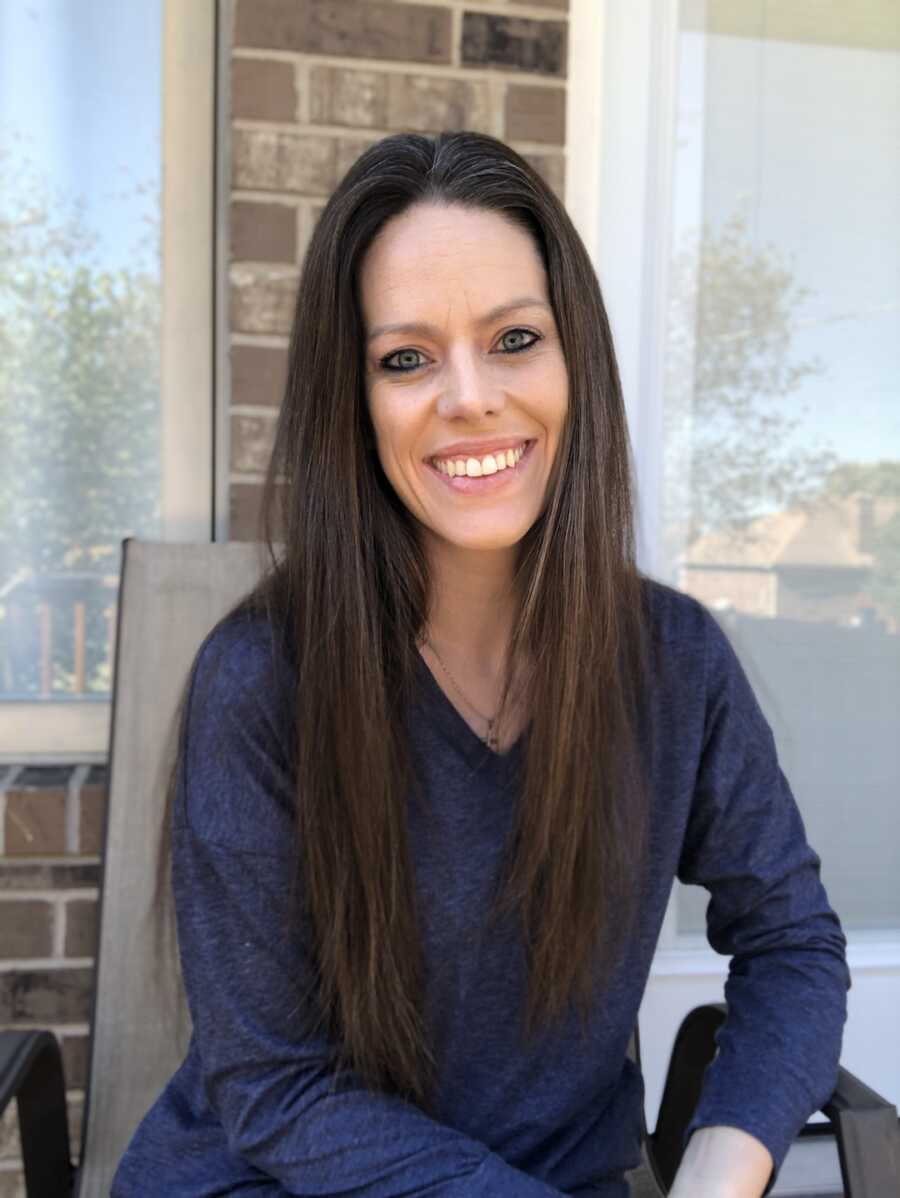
57, 633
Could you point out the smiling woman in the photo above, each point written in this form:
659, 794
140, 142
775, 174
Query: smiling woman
485, 373
437, 772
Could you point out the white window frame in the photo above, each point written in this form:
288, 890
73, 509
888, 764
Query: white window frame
56, 730
623, 208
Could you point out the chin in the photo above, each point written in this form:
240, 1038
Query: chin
486, 542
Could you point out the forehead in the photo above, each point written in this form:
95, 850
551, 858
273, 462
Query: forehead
447, 255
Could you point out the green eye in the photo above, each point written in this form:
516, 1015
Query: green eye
519, 333
401, 354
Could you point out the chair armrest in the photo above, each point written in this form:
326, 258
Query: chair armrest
868, 1138
865, 1125
694, 1048
31, 1071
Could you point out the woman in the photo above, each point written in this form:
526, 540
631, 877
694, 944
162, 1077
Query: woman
437, 773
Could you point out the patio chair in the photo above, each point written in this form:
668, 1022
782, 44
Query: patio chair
170, 596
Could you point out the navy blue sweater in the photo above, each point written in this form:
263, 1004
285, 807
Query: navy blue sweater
251, 1109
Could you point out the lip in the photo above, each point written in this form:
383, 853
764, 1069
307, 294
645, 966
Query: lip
464, 485
477, 449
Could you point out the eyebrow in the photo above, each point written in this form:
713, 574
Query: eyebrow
418, 326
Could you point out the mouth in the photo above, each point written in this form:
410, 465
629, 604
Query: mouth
463, 484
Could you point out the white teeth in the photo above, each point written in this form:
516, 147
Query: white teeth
475, 467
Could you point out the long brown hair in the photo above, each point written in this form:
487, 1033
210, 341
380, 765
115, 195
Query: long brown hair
349, 593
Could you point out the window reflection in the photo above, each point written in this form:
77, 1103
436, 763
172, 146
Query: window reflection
781, 488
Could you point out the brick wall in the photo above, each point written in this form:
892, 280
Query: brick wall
313, 82
51, 832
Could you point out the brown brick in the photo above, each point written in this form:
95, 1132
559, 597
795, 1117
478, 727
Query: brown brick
251, 443
46, 995
551, 168
350, 28
514, 43
75, 1061
92, 821
36, 821
536, 114
23, 874
338, 96
263, 232
262, 298
244, 503
263, 90
266, 160
425, 104
258, 374
376, 99
26, 928
81, 928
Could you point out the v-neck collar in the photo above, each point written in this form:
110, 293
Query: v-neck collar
478, 754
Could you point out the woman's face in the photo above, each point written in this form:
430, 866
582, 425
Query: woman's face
463, 364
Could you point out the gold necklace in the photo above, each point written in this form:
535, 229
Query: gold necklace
491, 740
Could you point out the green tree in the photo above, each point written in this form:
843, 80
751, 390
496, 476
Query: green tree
79, 397
878, 479
729, 378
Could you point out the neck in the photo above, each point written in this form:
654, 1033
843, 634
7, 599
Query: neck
472, 605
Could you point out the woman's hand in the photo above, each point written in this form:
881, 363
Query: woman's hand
722, 1162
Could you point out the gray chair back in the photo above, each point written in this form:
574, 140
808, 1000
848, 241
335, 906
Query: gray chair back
170, 596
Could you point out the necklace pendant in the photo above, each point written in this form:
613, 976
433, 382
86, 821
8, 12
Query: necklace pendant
490, 739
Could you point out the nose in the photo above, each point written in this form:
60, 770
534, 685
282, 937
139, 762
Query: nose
467, 390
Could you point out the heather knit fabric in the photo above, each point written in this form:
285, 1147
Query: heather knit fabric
254, 1110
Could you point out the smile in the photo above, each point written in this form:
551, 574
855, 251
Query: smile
479, 475
489, 463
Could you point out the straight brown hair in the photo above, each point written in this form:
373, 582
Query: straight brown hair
347, 597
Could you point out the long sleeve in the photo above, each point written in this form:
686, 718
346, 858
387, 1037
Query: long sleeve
786, 991
247, 975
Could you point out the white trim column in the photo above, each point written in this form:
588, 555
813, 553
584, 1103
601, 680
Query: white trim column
188, 253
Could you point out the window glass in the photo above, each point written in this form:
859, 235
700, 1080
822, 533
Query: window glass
80, 99
781, 489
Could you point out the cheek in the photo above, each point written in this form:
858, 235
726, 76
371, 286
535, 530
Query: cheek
391, 440
551, 395
396, 419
